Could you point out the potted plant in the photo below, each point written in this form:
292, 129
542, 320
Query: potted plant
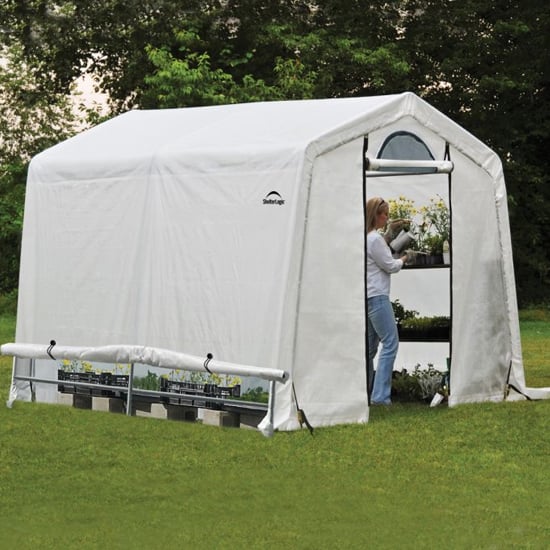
419, 385
400, 313
427, 329
436, 225
434, 249
430, 224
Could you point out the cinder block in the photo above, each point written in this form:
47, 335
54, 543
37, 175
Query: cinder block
181, 412
151, 410
65, 399
100, 404
108, 404
220, 418
140, 408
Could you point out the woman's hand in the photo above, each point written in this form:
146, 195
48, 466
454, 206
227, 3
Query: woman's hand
409, 257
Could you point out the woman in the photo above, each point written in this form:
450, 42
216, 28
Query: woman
381, 320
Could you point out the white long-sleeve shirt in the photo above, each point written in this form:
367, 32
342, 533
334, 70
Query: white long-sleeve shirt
380, 264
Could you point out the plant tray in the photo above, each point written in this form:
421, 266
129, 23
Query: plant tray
190, 393
191, 388
434, 259
432, 334
110, 379
104, 378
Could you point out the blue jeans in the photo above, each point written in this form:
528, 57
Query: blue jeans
381, 328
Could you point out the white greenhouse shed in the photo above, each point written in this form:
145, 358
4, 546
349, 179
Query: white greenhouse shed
238, 230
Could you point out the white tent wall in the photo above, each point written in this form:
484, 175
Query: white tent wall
200, 268
171, 254
176, 263
482, 343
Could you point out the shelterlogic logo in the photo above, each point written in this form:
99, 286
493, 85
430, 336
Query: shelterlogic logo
274, 198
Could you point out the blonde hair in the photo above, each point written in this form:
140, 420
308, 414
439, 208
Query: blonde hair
375, 206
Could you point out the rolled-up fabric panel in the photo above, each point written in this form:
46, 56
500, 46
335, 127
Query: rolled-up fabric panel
156, 357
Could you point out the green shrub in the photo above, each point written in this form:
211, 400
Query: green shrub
149, 382
8, 303
404, 387
423, 323
420, 385
400, 313
258, 395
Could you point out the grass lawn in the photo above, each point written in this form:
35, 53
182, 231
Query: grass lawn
535, 342
474, 476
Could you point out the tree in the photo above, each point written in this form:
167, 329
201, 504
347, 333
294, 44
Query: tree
350, 47
172, 53
190, 80
64, 39
279, 50
484, 64
491, 75
29, 123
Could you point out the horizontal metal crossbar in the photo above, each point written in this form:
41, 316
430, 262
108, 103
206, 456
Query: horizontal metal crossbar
407, 167
123, 390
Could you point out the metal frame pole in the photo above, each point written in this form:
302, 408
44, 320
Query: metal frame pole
270, 409
130, 388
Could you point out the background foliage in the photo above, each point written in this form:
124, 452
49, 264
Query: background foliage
30, 121
484, 64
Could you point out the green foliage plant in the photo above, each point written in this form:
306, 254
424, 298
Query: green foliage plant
151, 381
426, 323
435, 224
436, 216
429, 223
404, 387
430, 380
400, 313
257, 395
419, 385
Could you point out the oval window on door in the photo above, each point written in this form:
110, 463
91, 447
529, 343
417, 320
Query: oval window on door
405, 146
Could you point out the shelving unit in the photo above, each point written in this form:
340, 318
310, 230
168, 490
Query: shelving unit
435, 266
397, 169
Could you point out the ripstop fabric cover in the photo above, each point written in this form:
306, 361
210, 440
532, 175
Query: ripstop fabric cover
238, 230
